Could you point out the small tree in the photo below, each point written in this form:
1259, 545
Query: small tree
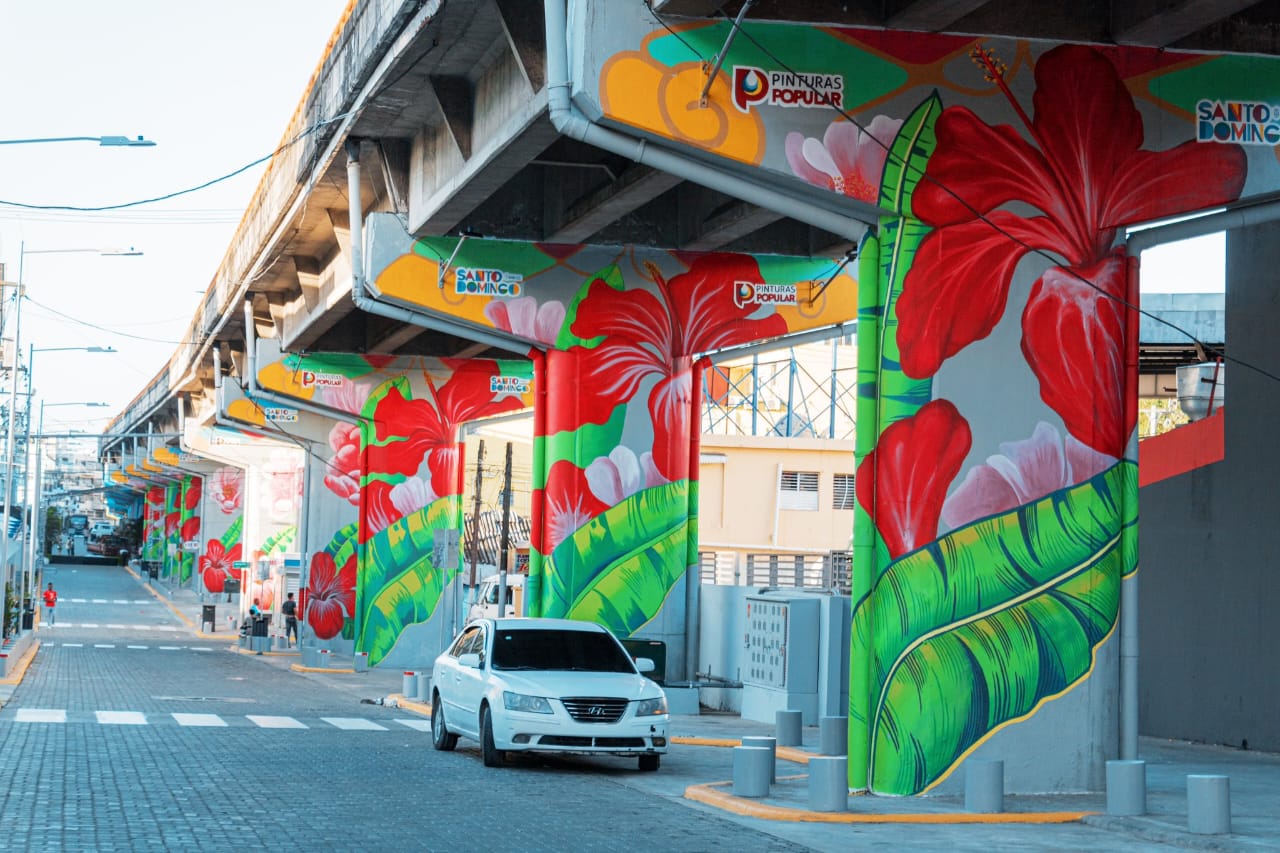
52, 528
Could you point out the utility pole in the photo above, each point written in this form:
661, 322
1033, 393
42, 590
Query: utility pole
474, 536
506, 536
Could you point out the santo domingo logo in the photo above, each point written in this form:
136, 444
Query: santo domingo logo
755, 87
508, 385
1242, 122
473, 281
751, 293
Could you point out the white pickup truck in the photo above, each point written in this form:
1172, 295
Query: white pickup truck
486, 603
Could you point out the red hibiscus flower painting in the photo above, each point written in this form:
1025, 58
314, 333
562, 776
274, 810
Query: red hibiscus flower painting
1084, 173
657, 335
570, 503
190, 528
904, 489
216, 565
191, 495
407, 430
331, 595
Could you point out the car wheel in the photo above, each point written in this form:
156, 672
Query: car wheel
441, 738
650, 762
493, 757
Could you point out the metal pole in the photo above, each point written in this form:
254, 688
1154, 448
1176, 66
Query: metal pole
506, 536
8, 440
25, 565
475, 522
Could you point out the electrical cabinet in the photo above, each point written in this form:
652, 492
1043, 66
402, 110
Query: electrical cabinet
780, 669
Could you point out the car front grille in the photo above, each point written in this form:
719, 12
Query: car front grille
595, 709
570, 742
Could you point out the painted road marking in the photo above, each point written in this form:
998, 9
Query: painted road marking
169, 648
199, 720
137, 647
78, 600
117, 627
165, 628
275, 722
420, 725
104, 645
354, 724
85, 625
140, 627
119, 601
121, 718
99, 601
41, 715
72, 645
201, 649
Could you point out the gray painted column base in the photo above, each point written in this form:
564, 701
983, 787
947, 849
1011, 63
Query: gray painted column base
787, 727
750, 771
770, 744
280, 644
829, 783
983, 786
1126, 788
1209, 804
424, 687
833, 735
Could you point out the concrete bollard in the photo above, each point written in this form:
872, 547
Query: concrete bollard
983, 786
281, 644
360, 662
410, 688
750, 771
770, 744
829, 783
1126, 788
1209, 804
786, 728
833, 735
323, 660
424, 687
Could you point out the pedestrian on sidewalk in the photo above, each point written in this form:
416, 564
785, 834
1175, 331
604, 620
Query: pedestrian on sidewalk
290, 611
50, 602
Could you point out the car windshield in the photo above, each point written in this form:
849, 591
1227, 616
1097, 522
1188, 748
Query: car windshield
587, 651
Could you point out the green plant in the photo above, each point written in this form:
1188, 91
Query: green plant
52, 528
10, 616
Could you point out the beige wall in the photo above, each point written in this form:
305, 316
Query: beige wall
739, 498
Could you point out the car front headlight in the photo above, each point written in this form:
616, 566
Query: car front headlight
651, 707
528, 704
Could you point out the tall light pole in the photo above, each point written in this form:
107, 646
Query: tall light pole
37, 514
10, 480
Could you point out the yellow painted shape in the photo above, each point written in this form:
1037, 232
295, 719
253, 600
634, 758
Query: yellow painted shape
247, 411
276, 377
415, 280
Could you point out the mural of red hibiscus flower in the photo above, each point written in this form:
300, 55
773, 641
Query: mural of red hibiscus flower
191, 495
331, 595
570, 503
407, 430
226, 486
1085, 171
343, 474
216, 565
190, 528
648, 335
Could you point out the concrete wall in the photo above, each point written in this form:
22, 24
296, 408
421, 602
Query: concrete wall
1208, 552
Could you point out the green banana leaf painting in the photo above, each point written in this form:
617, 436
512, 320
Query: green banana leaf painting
635, 551
399, 585
980, 627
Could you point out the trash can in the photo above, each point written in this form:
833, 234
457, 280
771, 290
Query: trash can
28, 618
208, 616
259, 640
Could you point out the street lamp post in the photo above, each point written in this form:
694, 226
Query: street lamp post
10, 480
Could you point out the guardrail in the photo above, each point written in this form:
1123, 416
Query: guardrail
831, 571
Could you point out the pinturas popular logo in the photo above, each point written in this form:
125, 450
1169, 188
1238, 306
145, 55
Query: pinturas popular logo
508, 384
758, 87
752, 293
474, 281
1240, 122
311, 379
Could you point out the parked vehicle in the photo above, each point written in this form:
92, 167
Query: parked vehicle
546, 685
100, 529
486, 603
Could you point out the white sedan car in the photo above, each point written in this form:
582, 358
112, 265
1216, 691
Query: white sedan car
546, 685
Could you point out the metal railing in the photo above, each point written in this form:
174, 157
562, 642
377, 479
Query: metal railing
830, 571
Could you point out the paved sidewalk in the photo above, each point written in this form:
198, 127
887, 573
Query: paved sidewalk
698, 771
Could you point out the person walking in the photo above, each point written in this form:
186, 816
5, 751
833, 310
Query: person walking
290, 611
50, 602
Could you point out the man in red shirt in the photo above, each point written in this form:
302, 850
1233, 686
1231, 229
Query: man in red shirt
50, 601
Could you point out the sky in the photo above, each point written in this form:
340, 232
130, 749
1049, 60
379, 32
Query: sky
214, 85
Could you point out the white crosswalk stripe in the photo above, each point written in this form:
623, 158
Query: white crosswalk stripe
137, 647
199, 720
117, 627
121, 718
275, 722
169, 648
354, 724
71, 645
99, 601
104, 645
41, 715
119, 601
418, 725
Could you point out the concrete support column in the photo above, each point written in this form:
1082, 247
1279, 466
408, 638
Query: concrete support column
983, 786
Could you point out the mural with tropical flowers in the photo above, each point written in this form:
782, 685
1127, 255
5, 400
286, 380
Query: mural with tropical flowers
996, 481
224, 522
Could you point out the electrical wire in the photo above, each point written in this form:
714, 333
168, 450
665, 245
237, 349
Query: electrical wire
303, 134
106, 329
922, 175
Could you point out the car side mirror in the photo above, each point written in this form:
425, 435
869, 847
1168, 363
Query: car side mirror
470, 660
645, 665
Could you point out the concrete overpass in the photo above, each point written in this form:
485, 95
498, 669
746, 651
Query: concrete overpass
491, 144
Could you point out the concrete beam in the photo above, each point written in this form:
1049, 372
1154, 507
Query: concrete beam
929, 15
393, 162
522, 22
457, 102
733, 223
634, 188
1160, 22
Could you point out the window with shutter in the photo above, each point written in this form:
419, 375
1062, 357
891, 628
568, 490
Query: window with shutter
842, 496
798, 490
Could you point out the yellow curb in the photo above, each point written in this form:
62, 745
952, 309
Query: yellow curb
23, 663
297, 667
414, 705
167, 603
786, 753
709, 794
241, 651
